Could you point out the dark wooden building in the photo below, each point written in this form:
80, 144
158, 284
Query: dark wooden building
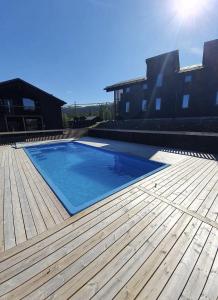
169, 91
24, 107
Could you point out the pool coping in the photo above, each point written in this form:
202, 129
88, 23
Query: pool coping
71, 209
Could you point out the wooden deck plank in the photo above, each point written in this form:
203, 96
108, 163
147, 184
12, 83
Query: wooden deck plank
2, 180
91, 217
192, 181
199, 192
120, 216
37, 218
71, 280
24, 212
26, 200
200, 274
54, 212
62, 264
45, 188
167, 188
148, 270
206, 205
194, 196
184, 269
159, 179
9, 234
213, 210
92, 214
19, 228
47, 217
37, 221
111, 279
185, 192
180, 183
210, 290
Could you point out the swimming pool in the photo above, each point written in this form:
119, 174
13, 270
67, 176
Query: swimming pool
81, 175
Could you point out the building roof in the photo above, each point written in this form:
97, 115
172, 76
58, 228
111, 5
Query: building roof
126, 82
19, 80
191, 68
141, 79
163, 56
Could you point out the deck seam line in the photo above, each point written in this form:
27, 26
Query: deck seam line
184, 210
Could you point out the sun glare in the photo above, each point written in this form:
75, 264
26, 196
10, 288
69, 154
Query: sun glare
185, 9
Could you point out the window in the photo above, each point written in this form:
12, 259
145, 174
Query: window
144, 105
29, 104
145, 86
158, 104
217, 98
127, 89
6, 105
185, 101
127, 107
159, 81
188, 78
117, 94
32, 124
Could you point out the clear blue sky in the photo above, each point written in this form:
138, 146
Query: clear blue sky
74, 48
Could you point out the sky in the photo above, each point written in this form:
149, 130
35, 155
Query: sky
74, 48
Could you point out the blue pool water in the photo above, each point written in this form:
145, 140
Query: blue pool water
81, 175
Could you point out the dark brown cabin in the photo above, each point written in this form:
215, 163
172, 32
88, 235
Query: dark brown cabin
25, 107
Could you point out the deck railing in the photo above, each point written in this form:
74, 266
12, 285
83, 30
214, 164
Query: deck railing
40, 135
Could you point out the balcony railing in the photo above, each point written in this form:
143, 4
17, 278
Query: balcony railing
19, 110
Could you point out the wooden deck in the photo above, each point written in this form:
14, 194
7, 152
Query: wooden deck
155, 239
28, 207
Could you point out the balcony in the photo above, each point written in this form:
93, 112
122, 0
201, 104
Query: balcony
8, 109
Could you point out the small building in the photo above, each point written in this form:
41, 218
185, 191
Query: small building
82, 122
93, 119
25, 107
169, 91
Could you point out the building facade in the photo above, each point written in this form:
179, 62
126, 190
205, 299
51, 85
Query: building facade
169, 91
24, 107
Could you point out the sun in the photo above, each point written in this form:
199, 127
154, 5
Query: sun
186, 9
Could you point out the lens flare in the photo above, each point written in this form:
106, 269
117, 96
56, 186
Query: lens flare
186, 9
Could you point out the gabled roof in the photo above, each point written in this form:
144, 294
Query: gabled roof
19, 80
126, 82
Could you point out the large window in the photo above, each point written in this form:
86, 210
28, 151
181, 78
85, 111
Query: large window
6, 105
117, 94
144, 105
185, 101
188, 78
158, 104
145, 86
216, 98
159, 81
29, 104
128, 90
127, 106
